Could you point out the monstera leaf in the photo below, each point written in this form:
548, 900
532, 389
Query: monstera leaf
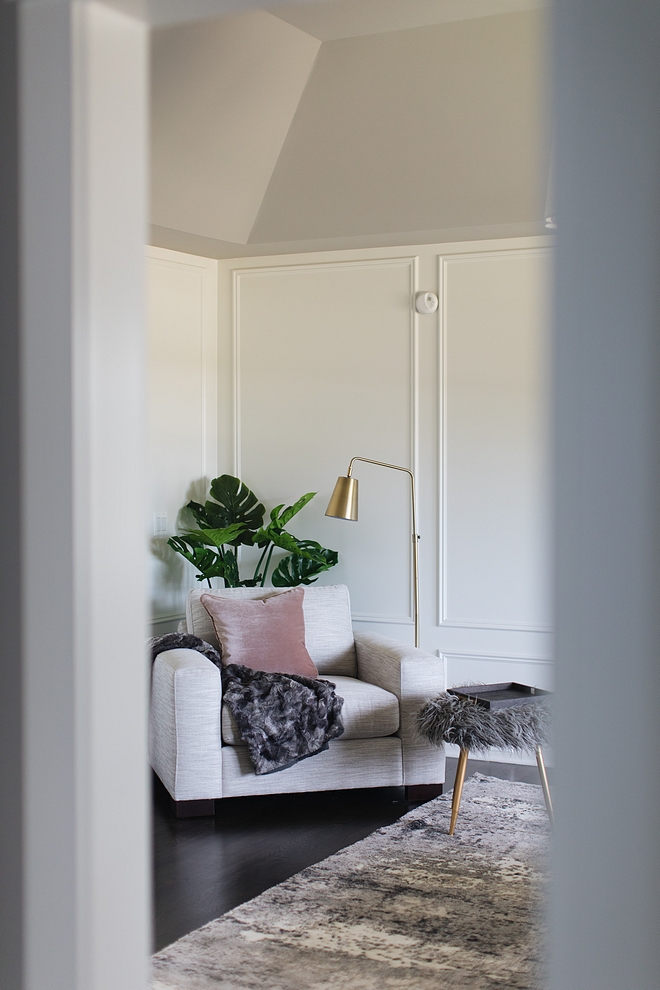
234, 503
208, 516
231, 575
279, 516
216, 537
280, 519
296, 569
283, 540
208, 562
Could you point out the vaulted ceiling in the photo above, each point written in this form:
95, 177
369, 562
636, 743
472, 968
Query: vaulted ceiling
349, 123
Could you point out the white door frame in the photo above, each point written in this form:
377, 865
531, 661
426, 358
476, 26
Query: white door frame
82, 73
75, 891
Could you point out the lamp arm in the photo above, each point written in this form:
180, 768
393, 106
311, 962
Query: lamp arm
415, 534
394, 467
368, 460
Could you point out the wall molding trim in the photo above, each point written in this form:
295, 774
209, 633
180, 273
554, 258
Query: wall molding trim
409, 262
208, 344
444, 259
476, 657
394, 620
499, 627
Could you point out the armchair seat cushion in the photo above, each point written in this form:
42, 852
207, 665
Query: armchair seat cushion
369, 712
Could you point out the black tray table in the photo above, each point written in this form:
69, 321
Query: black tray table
497, 696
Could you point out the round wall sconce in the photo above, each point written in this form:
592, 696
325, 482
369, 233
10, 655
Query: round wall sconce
426, 303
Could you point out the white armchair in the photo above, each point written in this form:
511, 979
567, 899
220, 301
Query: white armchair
196, 750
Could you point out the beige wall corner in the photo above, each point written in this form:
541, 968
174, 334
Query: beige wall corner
224, 93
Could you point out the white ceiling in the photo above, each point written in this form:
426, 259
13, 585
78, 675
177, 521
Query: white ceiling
329, 20
434, 126
264, 134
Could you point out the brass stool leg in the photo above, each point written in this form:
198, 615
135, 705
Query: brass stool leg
544, 784
458, 788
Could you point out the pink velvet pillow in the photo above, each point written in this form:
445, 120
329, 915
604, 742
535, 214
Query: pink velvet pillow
264, 634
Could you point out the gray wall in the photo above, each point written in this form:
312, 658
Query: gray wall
11, 899
606, 918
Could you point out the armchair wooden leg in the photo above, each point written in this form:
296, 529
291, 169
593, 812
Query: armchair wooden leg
458, 789
192, 809
540, 762
423, 792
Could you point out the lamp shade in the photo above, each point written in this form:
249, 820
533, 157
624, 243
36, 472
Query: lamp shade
343, 502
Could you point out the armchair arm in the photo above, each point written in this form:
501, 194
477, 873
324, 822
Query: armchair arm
184, 725
413, 676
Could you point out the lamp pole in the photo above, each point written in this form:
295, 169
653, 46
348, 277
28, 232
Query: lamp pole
343, 504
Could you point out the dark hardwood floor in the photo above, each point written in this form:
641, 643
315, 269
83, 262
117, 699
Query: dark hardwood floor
206, 866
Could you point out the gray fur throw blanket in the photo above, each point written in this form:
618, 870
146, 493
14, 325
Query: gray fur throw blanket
283, 718
455, 720
183, 641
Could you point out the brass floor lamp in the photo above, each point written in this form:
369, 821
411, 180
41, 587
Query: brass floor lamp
343, 504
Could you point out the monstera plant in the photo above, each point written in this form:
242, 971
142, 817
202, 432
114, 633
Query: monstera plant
233, 517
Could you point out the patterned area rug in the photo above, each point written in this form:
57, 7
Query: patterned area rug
409, 908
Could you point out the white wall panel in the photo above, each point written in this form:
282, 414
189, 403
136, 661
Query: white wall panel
494, 555
182, 408
325, 369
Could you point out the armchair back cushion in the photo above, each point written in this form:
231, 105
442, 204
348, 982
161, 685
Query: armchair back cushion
328, 628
